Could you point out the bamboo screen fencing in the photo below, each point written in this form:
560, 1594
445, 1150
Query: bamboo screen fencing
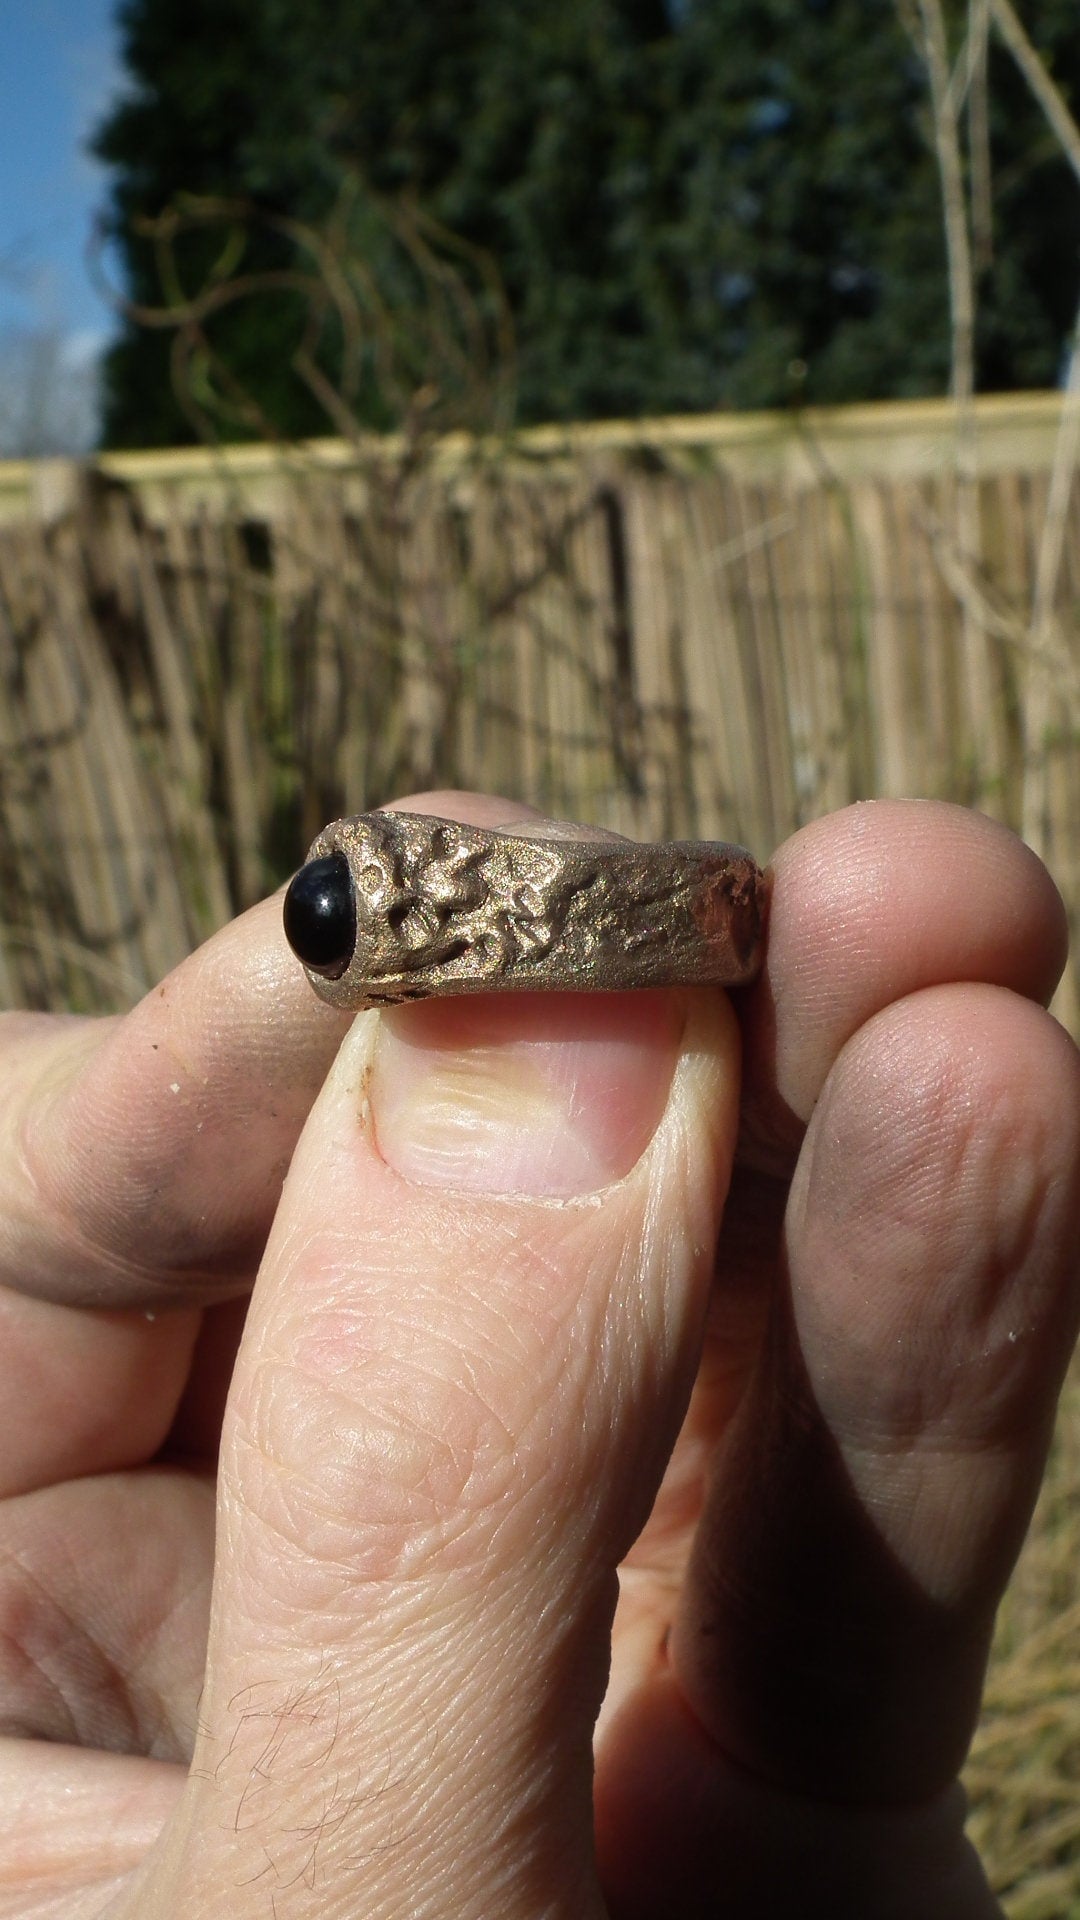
699, 628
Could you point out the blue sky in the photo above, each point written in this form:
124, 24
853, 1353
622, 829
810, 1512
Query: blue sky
58, 71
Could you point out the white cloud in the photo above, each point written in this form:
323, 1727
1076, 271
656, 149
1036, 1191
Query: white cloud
95, 80
84, 347
50, 391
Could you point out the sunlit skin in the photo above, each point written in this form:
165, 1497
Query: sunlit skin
778, 1332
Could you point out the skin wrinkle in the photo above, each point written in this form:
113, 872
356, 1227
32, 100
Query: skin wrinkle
36, 1717
551, 1328
97, 1859
69, 1637
511, 1443
123, 1706
485, 1352
407, 1527
192, 1596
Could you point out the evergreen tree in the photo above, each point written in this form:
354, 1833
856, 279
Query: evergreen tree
683, 203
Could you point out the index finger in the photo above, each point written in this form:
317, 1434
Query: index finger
141, 1156
869, 904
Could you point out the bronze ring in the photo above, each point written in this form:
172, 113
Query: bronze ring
399, 906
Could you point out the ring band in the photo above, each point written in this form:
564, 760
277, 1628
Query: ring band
400, 906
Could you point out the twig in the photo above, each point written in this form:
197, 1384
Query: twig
1047, 93
928, 32
1052, 540
978, 106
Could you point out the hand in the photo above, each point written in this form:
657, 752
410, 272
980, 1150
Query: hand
485, 1362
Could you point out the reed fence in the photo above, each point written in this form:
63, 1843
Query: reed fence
697, 628
689, 628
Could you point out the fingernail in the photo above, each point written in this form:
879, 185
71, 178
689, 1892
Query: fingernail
549, 1095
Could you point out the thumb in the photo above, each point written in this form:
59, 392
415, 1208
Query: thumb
466, 1360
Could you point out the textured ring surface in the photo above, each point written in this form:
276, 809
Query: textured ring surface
399, 906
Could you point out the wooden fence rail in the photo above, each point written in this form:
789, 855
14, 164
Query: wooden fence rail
711, 627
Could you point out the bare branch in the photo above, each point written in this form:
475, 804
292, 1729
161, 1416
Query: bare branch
1046, 91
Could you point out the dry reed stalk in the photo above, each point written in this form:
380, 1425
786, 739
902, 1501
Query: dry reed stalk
516, 528
341, 636
479, 531
345, 625
506, 557
581, 680
244, 727
814, 673
475, 559
665, 745
620, 719
731, 678
30, 852
410, 616
364, 654
525, 529
184, 564
959, 768
69, 705
75, 697
928, 640
849, 726
822, 628
805, 651
185, 791
309, 694
1010, 546
579, 755
1043, 706
699, 652
718, 661
759, 509
99, 903
1044, 711
924, 640
499, 532
886, 662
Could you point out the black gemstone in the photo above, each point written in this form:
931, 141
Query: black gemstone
320, 915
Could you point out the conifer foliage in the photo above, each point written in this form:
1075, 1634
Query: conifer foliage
682, 204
